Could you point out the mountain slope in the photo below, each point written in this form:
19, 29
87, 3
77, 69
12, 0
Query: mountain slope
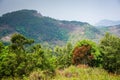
114, 30
45, 29
107, 23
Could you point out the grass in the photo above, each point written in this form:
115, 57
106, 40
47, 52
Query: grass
72, 73
77, 73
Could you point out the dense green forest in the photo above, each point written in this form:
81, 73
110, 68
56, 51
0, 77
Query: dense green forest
45, 29
23, 59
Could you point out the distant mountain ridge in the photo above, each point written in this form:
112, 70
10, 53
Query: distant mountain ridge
44, 29
114, 29
107, 23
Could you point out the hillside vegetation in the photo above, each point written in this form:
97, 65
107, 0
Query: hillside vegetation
36, 47
85, 60
45, 29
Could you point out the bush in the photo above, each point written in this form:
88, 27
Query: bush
110, 49
86, 52
63, 56
15, 60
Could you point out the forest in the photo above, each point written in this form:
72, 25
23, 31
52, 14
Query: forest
23, 59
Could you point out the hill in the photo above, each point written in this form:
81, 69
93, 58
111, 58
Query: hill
115, 30
107, 23
45, 29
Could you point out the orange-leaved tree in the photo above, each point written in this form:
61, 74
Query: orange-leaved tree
86, 52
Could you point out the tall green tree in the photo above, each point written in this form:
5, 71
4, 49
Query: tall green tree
110, 49
63, 55
19, 41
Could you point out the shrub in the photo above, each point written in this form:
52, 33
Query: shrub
86, 52
110, 49
63, 56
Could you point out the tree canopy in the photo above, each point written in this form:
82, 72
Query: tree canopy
110, 49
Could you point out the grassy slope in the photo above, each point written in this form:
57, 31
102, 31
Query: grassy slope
76, 73
73, 73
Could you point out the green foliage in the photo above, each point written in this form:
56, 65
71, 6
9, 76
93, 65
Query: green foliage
40, 28
110, 48
1, 47
18, 42
25, 61
8, 63
94, 51
90, 31
63, 55
18, 62
27, 22
38, 58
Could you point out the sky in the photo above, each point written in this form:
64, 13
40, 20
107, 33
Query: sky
90, 11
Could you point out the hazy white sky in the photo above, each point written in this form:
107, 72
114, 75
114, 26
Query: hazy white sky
81, 10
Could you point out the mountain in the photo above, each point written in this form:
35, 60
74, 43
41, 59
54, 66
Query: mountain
114, 30
42, 29
107, 23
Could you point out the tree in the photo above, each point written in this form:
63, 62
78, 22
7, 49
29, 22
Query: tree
8, 63
1, 47
63, 55
86, 52
110, 49
19, 41
16, 61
